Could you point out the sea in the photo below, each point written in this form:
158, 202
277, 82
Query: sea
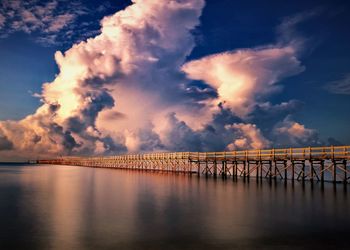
70, 207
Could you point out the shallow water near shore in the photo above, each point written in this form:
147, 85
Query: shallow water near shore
65, 207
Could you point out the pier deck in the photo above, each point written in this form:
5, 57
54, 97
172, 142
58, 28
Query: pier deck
310, 163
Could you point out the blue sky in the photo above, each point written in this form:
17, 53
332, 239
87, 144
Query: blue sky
26, 63
322, 88
228, 25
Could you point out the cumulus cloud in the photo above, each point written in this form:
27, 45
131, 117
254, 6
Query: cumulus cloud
248, 136
291, 133
130, 89
241, 77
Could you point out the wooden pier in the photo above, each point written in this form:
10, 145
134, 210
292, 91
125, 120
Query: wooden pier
311, 163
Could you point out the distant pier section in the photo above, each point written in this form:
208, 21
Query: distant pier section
302, 164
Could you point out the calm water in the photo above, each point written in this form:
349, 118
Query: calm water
60, 207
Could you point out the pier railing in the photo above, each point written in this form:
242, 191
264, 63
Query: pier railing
309, 163
332, 152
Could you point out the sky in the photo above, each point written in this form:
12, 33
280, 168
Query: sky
112, 77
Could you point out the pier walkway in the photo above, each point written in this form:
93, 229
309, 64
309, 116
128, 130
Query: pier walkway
310, 163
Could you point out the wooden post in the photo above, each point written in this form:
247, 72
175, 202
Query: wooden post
311, 165
285, 170
274, 164
248, 169
206, 164
206, 167
334, 165
322, 171
199, 168
215, 168
345, 166
292, 162
259, 167
246, 173
345, 173
236, 169
224, 169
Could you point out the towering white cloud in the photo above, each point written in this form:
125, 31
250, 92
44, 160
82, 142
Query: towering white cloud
131, 68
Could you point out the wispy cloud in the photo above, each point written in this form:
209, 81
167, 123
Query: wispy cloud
341, 86
48, 21
2, 20
60, 22
287, 31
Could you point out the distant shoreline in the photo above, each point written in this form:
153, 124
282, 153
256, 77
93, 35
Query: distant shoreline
11, 162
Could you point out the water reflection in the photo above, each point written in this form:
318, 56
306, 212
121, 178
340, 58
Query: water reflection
59, 207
